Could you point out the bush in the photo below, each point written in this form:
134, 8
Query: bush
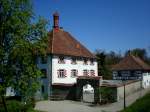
45, 96
108, 94
12, 106
17, 106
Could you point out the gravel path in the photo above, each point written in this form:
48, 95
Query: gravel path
72, 106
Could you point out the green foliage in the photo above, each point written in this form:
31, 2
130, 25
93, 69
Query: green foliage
105, 61
13, 106
137, 52
141, 105
141, 53
45, 96
108, 94
20, 42
16, 106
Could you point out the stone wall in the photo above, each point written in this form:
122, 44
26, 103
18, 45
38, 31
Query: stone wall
129, 89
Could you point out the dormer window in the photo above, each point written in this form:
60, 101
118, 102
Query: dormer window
91, 62
74, 61
85, 73
61, 60
44, 59
85, 61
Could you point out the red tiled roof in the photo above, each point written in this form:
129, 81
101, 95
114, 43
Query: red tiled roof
131, 63
62, 43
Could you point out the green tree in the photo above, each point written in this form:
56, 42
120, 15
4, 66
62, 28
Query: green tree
139, 52
105, 61
20, 41
103, 70
113, 58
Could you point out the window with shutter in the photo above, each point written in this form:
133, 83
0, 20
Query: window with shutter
85, 72
62, 73
92, 72
74, 73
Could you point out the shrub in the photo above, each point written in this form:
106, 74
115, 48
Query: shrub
17, 106
108, 94
12, 106
45, 96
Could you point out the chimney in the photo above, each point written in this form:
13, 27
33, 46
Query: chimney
56, 20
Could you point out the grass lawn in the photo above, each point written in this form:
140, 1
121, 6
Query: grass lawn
141, 105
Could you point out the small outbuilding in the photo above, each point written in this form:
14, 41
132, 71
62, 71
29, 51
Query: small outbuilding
132, 68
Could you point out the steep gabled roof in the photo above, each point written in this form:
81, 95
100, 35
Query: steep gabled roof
62, 43
131, 63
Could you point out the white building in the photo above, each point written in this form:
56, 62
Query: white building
66, 59
132, 68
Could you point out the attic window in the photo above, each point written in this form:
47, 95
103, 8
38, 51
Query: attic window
61, 60
85, 61
91, 62
74, 61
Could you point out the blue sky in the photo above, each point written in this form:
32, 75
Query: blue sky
115, 25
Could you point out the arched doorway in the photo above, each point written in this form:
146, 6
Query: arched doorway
94, 83
88, 93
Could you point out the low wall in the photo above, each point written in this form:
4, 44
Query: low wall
130, 87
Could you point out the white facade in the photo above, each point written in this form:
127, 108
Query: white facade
68, 66
52, 66
79, 66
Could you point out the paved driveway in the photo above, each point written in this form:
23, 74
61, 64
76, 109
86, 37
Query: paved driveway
72, 106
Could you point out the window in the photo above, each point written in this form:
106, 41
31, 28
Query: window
125, 73
85, 61
137, 73
92, 72
74, 61
74, 73
115, 73
44, 59
42, 88
44, 73
61, 73
61, 60
85, 72
91, 62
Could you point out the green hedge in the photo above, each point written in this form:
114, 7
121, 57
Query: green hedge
141, 105
108, 94
17, 106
